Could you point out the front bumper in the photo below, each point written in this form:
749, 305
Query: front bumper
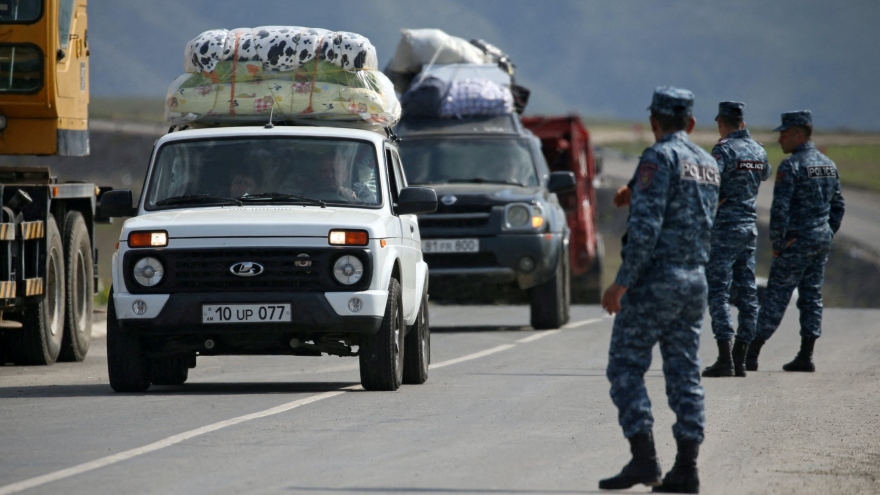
181, 314
498, 260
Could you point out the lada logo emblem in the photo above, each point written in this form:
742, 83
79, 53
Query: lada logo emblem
246, 269
448, 200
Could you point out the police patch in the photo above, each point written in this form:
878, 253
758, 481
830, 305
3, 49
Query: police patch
750, 165
646, 174
704, 174
821, 172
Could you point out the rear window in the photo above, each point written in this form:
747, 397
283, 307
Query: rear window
466, 160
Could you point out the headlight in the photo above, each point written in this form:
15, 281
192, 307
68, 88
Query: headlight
518, 216
523, 216
148, 271
348, 269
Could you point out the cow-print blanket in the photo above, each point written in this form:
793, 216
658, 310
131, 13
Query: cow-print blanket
279, 48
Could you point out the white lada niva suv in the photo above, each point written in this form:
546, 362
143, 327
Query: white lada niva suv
268, 241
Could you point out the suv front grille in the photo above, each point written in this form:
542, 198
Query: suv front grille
452, 221
208, 270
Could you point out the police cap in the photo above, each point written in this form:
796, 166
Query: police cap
798, 117
732, 109
671, 101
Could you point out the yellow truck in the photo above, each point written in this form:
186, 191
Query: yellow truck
47, 255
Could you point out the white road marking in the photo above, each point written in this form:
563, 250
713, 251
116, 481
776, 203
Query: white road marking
180, 437
161, 444
537, 335
582, 323
475, 355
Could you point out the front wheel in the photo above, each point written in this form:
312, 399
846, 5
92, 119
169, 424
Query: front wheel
381, 355
550, 302
80, 284
417, 357
126, 363
172, 370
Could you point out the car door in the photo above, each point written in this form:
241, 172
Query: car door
410, 242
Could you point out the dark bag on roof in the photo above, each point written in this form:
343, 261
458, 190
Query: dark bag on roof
423, 98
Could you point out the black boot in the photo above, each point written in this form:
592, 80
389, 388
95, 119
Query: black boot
683, 477
739, 357
804, 359
643, 468
752, 354
724, 365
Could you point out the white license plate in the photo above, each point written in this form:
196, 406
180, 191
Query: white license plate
450, 245
245, 313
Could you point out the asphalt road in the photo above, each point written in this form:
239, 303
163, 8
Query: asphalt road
505, 410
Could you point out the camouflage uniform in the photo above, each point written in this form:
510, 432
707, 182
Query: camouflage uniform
674, 196
743, 165
808, 207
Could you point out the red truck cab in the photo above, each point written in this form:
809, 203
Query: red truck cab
565, 143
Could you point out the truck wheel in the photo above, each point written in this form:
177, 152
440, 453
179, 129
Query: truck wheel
381, 355
417, 348
172, 370
80, 288
587, 288
126, 363
550, 301
39, 340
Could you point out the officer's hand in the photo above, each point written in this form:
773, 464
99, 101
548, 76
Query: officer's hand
787, 243
622, 196
611, 298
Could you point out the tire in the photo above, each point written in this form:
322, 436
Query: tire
39, 340
126, 363
381, 355
550, 302
587, 288
172, 370
80, 287
417, 348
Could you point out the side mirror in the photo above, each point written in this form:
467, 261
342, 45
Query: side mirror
116, 203
416, 200
561, 182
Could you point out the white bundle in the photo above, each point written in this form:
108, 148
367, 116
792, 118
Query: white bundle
279, 48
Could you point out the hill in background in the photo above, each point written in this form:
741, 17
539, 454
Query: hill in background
601, 59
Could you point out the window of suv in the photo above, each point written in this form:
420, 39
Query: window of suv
468, 160
209, 172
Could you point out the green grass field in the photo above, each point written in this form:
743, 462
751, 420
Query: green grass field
859, 164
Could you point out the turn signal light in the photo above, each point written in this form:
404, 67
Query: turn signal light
148, 239
348, 237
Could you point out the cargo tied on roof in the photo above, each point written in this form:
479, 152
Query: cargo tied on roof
291, 74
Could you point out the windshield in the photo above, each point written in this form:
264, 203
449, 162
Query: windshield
490, 160
241, 171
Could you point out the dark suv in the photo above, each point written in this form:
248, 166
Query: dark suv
498, 219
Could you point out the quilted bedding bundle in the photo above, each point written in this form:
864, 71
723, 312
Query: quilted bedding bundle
291, 73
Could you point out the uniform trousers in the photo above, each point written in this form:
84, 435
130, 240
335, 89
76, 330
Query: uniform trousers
664, 306
801, 265
732, 266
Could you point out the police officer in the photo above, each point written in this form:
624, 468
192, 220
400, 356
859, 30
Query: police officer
807, 211
659, 294
743, 165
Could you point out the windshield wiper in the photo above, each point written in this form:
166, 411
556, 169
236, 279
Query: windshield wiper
198, 199
480, 180
274, 197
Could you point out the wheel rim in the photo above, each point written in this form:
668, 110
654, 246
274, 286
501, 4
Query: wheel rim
53, 296
80, 282
397, 335
425, 336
